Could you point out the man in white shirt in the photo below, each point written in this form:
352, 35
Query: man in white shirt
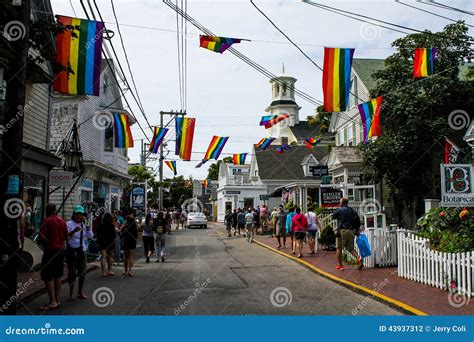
313, 225
249, 225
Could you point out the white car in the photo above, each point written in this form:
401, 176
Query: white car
196, 220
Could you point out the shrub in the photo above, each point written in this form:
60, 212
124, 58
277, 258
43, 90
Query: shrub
327, 238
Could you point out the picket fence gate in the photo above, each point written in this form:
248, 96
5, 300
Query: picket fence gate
448, 271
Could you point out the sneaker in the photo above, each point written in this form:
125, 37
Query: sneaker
340, 268
162, 259
360, 263
147, 260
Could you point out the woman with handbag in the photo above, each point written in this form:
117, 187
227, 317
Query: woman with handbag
76, 261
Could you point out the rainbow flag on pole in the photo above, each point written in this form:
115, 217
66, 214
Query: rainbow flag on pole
184, 137
79, 47
264, 143
370, 116
239, 158
312, 141
206, 183
122, 132
423, 63
157, 139
217, 44
337, 78
172, 165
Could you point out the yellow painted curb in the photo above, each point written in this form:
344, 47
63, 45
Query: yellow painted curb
385, 298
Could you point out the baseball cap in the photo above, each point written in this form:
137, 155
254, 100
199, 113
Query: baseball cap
79, 209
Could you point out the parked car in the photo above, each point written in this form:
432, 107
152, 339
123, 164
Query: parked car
196, 219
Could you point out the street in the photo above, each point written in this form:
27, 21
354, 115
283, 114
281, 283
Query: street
207, 273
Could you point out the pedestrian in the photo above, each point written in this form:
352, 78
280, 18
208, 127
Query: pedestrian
176, 215
148, 237
280, 222
118, 242
183, 218
160, 236
299, 226
234, 221
348, 225
106, 242
240, 221
53, 236
129, 239
249, 223
263, 217
289, 231
256, 218
228, 222
168, 220
313, 226
76, 260
273, 217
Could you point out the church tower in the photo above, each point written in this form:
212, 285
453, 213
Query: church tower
283, 102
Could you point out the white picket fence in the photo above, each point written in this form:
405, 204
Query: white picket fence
417, 262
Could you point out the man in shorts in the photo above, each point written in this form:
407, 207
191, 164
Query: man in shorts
348, 224
53, 236
280, 224
299, 225
249, 225
313, 225
240, 221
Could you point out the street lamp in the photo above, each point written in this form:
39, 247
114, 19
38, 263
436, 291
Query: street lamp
72, 161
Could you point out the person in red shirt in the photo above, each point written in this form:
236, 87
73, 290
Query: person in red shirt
299, 225
53, 235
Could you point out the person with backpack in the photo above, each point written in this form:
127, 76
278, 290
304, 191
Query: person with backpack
234, 221
289, 231
348, 225
160, 225
228, 222
240, 221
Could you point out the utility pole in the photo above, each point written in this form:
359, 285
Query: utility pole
162, 158
11, 178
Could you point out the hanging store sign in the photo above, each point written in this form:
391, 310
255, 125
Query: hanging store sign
138, 198
330, 197
60, 178
456, 185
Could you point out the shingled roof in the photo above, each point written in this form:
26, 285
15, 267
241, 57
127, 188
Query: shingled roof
285, 166
303, 130
365, 67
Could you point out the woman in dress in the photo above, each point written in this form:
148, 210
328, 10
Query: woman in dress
129, 240
106, 241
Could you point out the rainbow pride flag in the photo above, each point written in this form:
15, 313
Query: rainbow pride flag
215, 147
187, 184
79, 47
337, 78
370, 116
276, 120
282, 148
184, 137
217, 44
239, 158
206, 183
264, 143
423, 63
266, 119
122, 132
312, 141
172, 165
157, 139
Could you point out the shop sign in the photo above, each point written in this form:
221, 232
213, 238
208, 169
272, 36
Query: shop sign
330, 197
60, 178
456, 185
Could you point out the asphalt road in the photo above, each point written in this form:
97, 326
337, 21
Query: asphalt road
207, 273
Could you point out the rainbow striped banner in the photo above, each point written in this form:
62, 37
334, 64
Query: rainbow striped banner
266, 119
423, 63
276, 119
217, 44
312, 141
172, 165
239, 158
370, 116
157, 139
283, 148
79, 47
206, 183
187, 184
264, 143
122, 132
215, 147
337, 78
184, 137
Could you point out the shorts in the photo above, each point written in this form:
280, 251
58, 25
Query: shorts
312, 233
346, 240
280, 231
241, 225
52, 264
300, 235
249, 225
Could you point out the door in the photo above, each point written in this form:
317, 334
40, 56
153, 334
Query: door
248, 203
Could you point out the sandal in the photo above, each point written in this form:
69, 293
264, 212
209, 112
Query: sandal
48, 307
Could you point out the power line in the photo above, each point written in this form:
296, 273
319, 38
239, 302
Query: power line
429, 12
446, 7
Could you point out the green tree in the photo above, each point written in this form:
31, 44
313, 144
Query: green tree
213, 170
414, 117
322, 119
139, 173
175, 191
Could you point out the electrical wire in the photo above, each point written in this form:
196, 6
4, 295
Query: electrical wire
446, 7
429, 12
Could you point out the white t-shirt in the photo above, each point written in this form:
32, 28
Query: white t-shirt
312, 221
249, 218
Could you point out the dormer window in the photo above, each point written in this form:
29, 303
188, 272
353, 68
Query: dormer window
308, 165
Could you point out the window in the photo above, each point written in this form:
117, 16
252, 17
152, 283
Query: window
341, 137
350, 194
277, 90
353, 94
109, 139
284, 89
350, 134
284, 140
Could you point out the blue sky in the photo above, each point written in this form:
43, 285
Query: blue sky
225, 95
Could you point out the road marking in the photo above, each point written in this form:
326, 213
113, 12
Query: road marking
383, 297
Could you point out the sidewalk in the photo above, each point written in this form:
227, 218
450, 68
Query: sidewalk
383, 283
30, 284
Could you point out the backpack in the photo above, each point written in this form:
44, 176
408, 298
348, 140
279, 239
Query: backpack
355, 220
